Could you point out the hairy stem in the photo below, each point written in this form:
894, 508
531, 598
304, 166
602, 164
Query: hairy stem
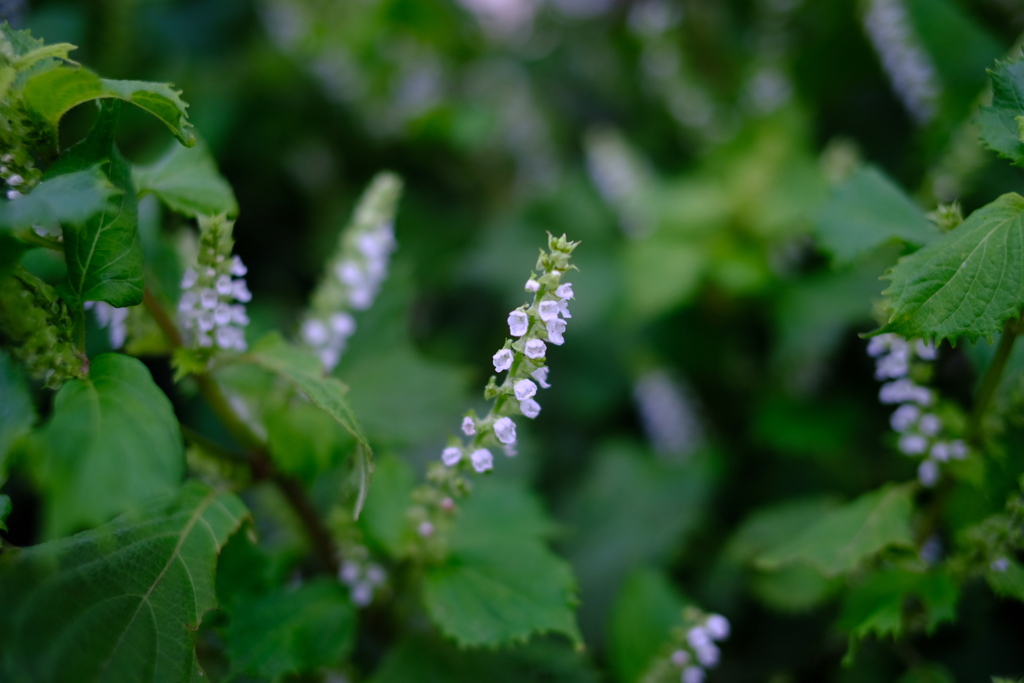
258, 458
991, 379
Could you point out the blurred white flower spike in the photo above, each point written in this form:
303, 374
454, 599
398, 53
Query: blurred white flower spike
354, 273
211, 309
523, 356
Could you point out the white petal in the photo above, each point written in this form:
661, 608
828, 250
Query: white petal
525, 389
502, 360
532, 285
535, 348
530, 408
505, 430
548, 310
451, 455
564, 291
468, 426
482, 460
518, 323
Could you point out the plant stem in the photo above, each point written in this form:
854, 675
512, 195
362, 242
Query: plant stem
991, 379
259, 460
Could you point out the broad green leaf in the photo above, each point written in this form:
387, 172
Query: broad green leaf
647, 609
1000, 130
499, 588
430, 660
661, 274
292, 631
119, 603
1007, 584
384, 518
104, 255
841, 539
113, 442
866, 211
17, 413
70, 198
51, 94
187, 181
304, 371
968, 283
666, 503
880, 606
304, 440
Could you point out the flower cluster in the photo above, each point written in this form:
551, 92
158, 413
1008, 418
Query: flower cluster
209, 315
532, 327
15, 182
363, 579
921, 431
113, 319
693, 650
355, 273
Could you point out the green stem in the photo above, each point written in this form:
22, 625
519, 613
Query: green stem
990, 382
259, 460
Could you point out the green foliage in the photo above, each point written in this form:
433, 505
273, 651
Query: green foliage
18, 413
843, 538
113, 431
881, 605
999, 122
70, 198
121, 602
968, 283
647, 608
187, 181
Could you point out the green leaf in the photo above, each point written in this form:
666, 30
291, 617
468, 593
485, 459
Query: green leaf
841, 539
51, 94
119, 603
968, 283
70, 198
1007, 584
304, 440
647, 609
303, 369
17, 413
384, 518
1000, 131
292, 631
113, 442
496, 589
104, 254
188, 182
866, 211
880, 605
430, 660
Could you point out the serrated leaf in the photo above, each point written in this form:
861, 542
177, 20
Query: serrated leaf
303, 369
292, 630
103, 254
866, 211
112, 443
119, 603
495, 589
187, 181
52, 93
647, 609
879, 605
968, 283
1000, 131
841, 539
70, 198
1009, 583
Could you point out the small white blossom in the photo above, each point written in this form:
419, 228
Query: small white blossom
692, 674
541, 375
238, 268
468, 426
425, 529
564, 291
451, 455
532, 285
939, 451
361, 594
708, 655
314, 333
525, 389
913, 444
14, 194
904, 416
518, 323
555, 329
926, 351
717, 627
530, 408
680, 658
505, 430
904, 391
929, 425
535, 348
482, 460
563, 309
502, 360
15, 180
698, 637
548, 310
1000, 565
349, 572
879, 345
928, 473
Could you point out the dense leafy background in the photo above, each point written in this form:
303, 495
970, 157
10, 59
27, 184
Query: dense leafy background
748, 140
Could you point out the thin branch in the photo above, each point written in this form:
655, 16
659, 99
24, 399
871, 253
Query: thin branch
990, 381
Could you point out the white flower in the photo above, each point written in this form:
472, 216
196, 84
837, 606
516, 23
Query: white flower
555, 329
241, 292
343, 324
532, 285
502, 360
680, 658
708, 655
425, 529
913, 444
1000, 565
535, 348
238, 268
14, 194
468, 426
505, 430
349, 572
879, 345
548, 310
482, 460
189, 279
692, 674
940, 451
15, 180
525, 389
926, 351
541, 375
518, 323
928, 473
563, 309
361, 594
564, 291
904, 391
698, 637
904, 417
929, 425
451, 455
717, 627
314, 333
530, 408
